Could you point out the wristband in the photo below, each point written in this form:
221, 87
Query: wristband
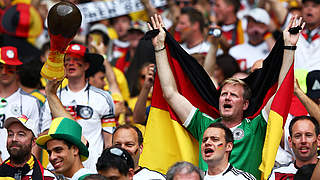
158, 50
290, 47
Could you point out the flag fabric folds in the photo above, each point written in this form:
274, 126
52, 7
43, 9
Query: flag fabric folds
277, 118
166, 141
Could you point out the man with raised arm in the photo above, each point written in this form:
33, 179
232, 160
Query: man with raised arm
233, 101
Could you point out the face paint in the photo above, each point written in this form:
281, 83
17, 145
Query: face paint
220, 145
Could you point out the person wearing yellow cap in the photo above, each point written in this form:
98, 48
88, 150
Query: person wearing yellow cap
22, 164
13, 100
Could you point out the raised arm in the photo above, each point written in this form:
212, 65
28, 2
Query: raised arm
312, 108
139, 112
290, 40
178, 103
210, 59
55, 105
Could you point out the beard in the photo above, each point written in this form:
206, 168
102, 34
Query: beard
21, 153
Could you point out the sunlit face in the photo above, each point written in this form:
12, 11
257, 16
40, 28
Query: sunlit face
75, 66
19, 143
311, 13
128, 140
256, 31
185, 27
304, 141
214, 147
62, 157
8, 74
231, 101
222, 10
121, 25
97, 80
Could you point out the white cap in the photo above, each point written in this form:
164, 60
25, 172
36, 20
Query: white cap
24, 120
259, 15
100, 27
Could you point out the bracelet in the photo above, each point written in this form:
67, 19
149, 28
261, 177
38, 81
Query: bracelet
158, 50
290, 47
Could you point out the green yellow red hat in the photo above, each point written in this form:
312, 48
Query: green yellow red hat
66, 129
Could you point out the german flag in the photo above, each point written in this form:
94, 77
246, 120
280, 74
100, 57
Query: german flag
277, 118
166, 141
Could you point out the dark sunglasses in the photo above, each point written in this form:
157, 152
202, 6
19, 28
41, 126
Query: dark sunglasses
185, 3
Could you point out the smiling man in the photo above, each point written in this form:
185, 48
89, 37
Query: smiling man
304, 140
65, 148
216, 146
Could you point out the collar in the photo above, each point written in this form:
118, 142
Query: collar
229, 168
30, 162
138, 170
86, 87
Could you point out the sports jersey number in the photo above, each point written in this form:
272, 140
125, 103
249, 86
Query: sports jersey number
2, 118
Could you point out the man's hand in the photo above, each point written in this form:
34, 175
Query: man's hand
157, 23
292, 39
148, 81
52, 87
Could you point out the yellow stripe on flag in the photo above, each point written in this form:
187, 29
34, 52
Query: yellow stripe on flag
167, 138
271, 143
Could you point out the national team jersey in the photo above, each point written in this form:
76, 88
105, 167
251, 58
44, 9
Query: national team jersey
247, 54
248, 140
230, 173
93, 109
15, 105
286, 172
145, 173
82, 173
201, 48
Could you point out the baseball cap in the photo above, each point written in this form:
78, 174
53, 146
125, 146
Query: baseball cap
138, 26
259, 15
24, 120
95, 60
66, 129
99, 27
313, 84
9, 56
22, 20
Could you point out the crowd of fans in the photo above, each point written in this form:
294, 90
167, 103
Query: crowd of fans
91, 124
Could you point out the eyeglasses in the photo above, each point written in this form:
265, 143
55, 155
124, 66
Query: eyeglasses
120, 153
185, 3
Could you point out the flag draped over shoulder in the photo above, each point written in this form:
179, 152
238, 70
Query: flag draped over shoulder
277, 117
165, 140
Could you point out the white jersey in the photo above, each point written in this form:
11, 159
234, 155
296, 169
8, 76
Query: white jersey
17, 104
145, 173
201, 48
93, 109
230, 173
286, 172
247, 54
81, 173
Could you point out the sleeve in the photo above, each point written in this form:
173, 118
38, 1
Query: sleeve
46, 117
108, 121
197, 122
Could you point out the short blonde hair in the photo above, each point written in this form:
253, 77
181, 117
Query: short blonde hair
236, 81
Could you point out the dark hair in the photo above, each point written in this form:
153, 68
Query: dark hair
95, 177
128, 126
95, 70
120, 160
112, 20
183, 167
246, 88
235, 3
194, 16
29, 73
228, 133
228, 65
312, 119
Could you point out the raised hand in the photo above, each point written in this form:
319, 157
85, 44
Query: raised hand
292, 39
157, 23
148, 82
52, 87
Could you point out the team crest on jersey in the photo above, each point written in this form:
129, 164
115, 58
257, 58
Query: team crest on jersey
15, 109
84, 112
238, 134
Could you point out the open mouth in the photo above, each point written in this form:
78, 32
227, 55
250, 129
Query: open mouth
227, 106
208, 151
71, 70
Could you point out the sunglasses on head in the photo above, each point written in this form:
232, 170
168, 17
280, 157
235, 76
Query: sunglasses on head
185, 3
120, 153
